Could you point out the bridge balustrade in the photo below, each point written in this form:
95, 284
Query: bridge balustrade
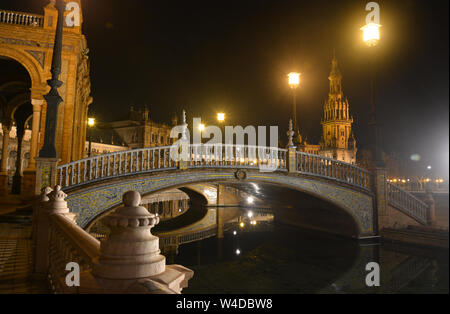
320, 166
159, 158
21, 18
407, 202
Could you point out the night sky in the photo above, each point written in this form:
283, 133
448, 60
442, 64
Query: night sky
234, 55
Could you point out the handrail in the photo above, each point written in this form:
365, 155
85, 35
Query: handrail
154, 159
69, 243
408, 203
319, 166
21, 18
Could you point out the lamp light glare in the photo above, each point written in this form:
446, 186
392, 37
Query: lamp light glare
371, 34
294, 79
91, 122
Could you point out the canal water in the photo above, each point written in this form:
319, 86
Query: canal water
279, 259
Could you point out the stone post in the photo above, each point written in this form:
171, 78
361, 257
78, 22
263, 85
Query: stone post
52, 202
381, 213
58, 205
130, 259
40, 234
431, 214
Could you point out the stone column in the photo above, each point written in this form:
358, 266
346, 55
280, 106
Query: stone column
29, 175
17, 178
4, 164
37, 107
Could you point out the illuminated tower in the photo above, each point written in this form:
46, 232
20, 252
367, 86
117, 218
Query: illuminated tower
338, 139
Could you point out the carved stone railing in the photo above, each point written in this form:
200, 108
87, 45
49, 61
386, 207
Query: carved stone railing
154, 159
21, 18
407, 203
329, 168
128, 260
69, 242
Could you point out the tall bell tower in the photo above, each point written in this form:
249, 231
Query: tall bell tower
337, 141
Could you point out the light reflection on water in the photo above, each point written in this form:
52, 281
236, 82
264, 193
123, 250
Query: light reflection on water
273, 258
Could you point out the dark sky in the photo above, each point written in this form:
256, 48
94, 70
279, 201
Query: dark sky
233, 56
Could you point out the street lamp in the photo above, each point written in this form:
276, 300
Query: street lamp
53, 98
371, 37
371, 34
294, 82
221, 117
91, 123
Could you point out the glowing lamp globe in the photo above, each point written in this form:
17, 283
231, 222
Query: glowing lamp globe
371, 34
294, 79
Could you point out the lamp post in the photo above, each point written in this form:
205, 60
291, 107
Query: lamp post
371, 37
221, 119
294, 82
91, 123
53, 98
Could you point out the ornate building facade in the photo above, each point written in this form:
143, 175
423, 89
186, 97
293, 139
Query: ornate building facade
136, 130
337, 141
27, 39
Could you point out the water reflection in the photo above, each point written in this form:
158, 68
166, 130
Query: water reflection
266, 257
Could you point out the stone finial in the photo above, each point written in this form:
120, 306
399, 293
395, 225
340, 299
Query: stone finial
44, 194
130, 252
290, 134
184, 136
57, 203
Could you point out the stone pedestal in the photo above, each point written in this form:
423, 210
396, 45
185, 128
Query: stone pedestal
292, 159
41, 234
381, 212
130, 259
45, 173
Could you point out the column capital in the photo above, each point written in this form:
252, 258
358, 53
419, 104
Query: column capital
37, 104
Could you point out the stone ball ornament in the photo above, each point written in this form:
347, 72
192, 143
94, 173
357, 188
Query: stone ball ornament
131, 215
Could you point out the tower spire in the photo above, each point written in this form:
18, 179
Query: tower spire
335, 79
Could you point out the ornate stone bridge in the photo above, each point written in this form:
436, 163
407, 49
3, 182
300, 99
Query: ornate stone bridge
96, 185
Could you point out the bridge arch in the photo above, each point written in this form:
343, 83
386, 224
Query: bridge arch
93, 200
